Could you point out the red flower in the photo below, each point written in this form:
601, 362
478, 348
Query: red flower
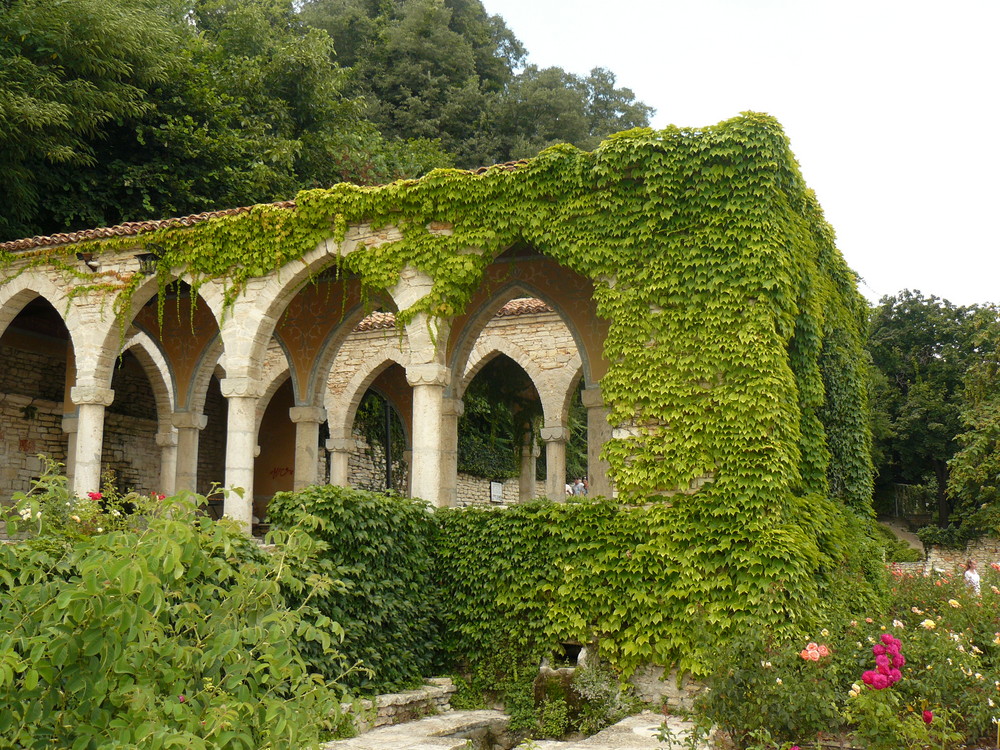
928, 717
94, 495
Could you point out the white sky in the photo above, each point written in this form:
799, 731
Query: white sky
891, 107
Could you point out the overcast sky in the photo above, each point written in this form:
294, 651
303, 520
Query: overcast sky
891, 108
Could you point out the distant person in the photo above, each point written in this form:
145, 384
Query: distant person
578, 488
569, 488
972, 576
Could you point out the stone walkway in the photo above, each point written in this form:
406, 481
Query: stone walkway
452, 731
631, 733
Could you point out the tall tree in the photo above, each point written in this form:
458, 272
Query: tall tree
67, 71
209, 104
923, 346
974, 480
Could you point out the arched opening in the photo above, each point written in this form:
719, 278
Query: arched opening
212, 443
380, 459
498, 435
130, 457
274, 467
37, 353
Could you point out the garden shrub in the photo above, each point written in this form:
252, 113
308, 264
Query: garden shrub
380, 547
169, 631
947, 694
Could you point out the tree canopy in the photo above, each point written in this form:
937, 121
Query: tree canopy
924, 349
119, 110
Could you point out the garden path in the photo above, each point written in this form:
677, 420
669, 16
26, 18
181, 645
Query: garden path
439, 732
902, 533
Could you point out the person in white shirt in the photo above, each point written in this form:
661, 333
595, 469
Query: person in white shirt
972, 576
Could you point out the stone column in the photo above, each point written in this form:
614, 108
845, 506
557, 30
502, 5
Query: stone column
189, 425
598, 433
451, 410
428, 382
241, 446
69, 426
167, 440
90, 400
340, 453
307, 420
526, 483
555, 439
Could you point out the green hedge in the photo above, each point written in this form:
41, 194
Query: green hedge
380, 547
489, 592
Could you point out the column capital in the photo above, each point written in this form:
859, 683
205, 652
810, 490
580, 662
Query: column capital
452, 407
91, 394
592, 397
307, 414
341, 445
428, 374
166, 439
555, 434
187, 420
240, 388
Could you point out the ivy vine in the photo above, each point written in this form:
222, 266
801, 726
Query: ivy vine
735, 325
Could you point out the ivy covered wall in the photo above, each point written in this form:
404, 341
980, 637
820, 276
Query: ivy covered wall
734, 370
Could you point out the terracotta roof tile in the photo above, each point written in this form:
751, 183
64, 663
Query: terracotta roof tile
380, 321
128, 229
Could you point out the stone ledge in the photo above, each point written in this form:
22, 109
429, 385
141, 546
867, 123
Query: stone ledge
395, 708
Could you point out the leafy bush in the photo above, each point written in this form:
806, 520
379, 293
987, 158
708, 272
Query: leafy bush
170, 631
380, 547
896, 550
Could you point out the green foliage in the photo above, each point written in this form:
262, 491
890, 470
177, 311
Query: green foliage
553, 718
122, 111
501, 410
604, 699
974, 471
923, 346
712, 263
762, 686
522, 581
379, 546
174, 632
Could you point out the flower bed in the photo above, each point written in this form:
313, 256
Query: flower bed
922, 673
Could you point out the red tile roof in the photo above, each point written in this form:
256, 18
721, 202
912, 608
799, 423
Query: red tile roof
378, 321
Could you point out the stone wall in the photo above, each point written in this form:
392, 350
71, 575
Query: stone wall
366, 467
947, 560
130, 450
28, 427
476, 491
396, 708
40, 373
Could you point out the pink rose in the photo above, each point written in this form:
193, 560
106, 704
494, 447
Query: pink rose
928, 717
880, 682
94, 495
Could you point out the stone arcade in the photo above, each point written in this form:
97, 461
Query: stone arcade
684, 282
237, 397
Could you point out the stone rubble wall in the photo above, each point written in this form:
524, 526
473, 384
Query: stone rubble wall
38, 373
28, 427
476, 491
397, 708
948, 560
130, 450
